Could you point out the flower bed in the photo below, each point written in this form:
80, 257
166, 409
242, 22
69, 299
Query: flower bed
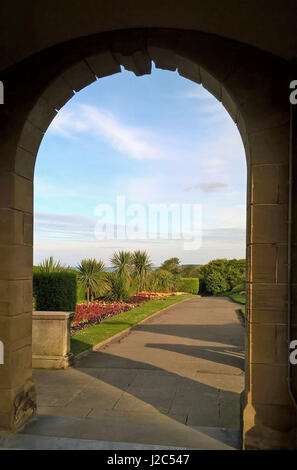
159, 294
95, 313
98, 311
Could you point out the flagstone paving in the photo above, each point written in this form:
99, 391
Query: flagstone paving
174, 380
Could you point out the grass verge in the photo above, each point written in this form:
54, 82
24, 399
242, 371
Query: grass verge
239, 299
93, 335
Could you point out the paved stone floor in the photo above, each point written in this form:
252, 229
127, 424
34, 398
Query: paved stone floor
173, 381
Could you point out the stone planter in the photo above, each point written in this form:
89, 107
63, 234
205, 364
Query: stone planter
51, 340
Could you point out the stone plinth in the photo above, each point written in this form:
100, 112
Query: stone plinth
51, 340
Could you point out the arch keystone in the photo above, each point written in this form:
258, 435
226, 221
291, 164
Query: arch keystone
139, 62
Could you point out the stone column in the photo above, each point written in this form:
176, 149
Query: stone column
17, 391
23, 120
269, 416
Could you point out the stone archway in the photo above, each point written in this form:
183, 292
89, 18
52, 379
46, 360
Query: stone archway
252, 85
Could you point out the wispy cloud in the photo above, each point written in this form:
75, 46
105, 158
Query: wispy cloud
209, 108
210, 187
134, 142
198, 92
71, 238
64, 226
193, 145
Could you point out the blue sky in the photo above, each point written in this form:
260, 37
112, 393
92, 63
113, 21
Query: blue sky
153, 139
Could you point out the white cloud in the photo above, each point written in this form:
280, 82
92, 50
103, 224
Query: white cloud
135, 142
210, 187
63, 226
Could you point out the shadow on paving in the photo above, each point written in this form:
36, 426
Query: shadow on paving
143, 389
228, 356
123, 395
225, 333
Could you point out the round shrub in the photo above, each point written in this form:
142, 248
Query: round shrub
216, 283
221, 275
54, 291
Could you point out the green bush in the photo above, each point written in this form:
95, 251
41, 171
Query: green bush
189, 284
55, 291
239, 288
215, 283
171, 265
221, 275
118, 288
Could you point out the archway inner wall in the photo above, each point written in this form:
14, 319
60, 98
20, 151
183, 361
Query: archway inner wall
253, 86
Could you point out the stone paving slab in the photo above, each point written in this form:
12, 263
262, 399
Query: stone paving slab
225, 440
140, 432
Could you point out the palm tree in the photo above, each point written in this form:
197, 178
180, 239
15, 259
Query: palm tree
49, 265
142, 265
91, 276
116, 287
121, 261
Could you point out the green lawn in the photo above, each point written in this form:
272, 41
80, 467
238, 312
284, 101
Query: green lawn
240, 299
93, 335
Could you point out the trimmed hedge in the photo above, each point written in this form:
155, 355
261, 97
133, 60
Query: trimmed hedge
189, 284
55, 291
80, 291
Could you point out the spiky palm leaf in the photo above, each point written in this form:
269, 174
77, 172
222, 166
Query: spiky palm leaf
121, 262
91, 276
142, 265
49, 265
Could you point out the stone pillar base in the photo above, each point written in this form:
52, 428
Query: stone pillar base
51, 340
269, 427
20, 408
52, 362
